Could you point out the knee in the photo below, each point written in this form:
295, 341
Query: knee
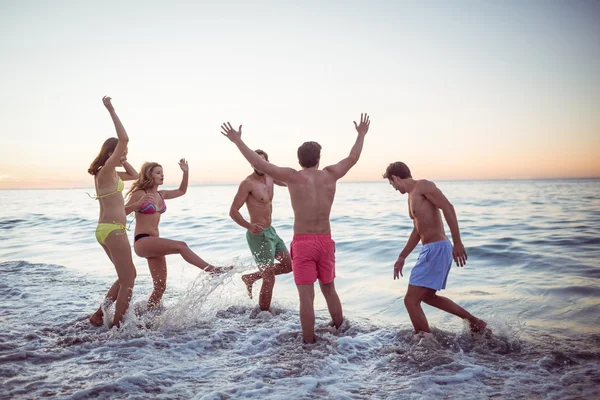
182, 246
410, 300
429, 298
287, 264
127, 281
327, 289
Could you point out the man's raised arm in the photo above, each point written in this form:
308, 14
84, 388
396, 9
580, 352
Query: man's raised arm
340, 169
286, 175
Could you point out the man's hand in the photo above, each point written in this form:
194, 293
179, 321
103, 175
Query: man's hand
459, 254
398, 267
106, 100
255, 229
183, 164
363, 127
232, 134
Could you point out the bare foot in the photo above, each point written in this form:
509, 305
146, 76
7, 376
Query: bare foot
97, 318
478, 326
249, 282
311, 342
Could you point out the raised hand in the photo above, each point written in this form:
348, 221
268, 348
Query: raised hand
123, 159
398, 267
183, 164
106, 100
459, 254
148, 197
363, 127
230, 133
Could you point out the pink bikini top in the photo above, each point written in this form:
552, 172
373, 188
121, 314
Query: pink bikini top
149, 207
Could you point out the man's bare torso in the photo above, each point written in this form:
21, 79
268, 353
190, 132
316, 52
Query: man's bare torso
312, 198
260, 200
426, 216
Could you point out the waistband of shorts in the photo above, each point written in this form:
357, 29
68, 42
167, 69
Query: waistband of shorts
312, 236
439, 243
265, 230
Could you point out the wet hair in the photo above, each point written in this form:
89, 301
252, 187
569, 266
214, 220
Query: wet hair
398, 169
309, 154
262, 153
144, 180
108, 147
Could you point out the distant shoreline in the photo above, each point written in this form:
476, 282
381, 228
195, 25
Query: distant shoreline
381, 181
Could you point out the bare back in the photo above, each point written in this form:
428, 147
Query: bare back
260, 200
112, 207
312, 197
426, 216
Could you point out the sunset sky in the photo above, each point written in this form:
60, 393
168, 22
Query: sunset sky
456, 89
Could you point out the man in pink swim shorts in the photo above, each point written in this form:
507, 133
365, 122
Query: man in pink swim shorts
312, 192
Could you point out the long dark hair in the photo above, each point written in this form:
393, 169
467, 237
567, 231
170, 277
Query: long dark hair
107, 149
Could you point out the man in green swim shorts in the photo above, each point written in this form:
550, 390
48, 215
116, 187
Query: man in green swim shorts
256, 191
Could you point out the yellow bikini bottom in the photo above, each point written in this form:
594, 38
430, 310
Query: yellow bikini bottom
103, 230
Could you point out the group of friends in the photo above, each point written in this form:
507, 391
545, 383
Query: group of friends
312, 250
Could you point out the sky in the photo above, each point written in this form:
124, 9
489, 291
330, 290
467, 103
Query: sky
455, 89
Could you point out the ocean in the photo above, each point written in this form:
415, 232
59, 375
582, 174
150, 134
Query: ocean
533, 273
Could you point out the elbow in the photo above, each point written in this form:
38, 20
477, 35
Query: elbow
232, 214
448, 209
354, 158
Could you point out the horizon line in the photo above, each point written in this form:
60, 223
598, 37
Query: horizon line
342, 182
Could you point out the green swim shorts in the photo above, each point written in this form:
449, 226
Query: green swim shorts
265, 245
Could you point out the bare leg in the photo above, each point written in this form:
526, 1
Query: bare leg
445, 304
120, 251
307, 311
266, 291
333, 303
152, 246
97, 319
249, 280
412, 301
284, 266
158, 270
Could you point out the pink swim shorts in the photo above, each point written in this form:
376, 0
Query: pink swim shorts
313, 257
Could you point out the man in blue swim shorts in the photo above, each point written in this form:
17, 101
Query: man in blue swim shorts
430, 272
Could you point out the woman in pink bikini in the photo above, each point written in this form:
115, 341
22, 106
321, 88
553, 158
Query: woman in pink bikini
149, 203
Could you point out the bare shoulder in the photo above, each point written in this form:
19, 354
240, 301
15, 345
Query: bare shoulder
328, 175
136, 195
247, 183
425, 186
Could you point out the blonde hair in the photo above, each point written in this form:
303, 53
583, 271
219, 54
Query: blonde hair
144, 181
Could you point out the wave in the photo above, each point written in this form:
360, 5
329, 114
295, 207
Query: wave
208, 343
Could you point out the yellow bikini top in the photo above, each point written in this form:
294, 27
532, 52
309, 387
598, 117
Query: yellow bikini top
120, 187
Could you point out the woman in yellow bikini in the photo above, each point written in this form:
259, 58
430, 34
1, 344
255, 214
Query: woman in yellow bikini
110, 232
148, 211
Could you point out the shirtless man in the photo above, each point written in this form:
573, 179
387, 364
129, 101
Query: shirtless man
266, 246
312, 192
430, 273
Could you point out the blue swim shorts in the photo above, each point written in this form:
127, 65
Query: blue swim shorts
433, 265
